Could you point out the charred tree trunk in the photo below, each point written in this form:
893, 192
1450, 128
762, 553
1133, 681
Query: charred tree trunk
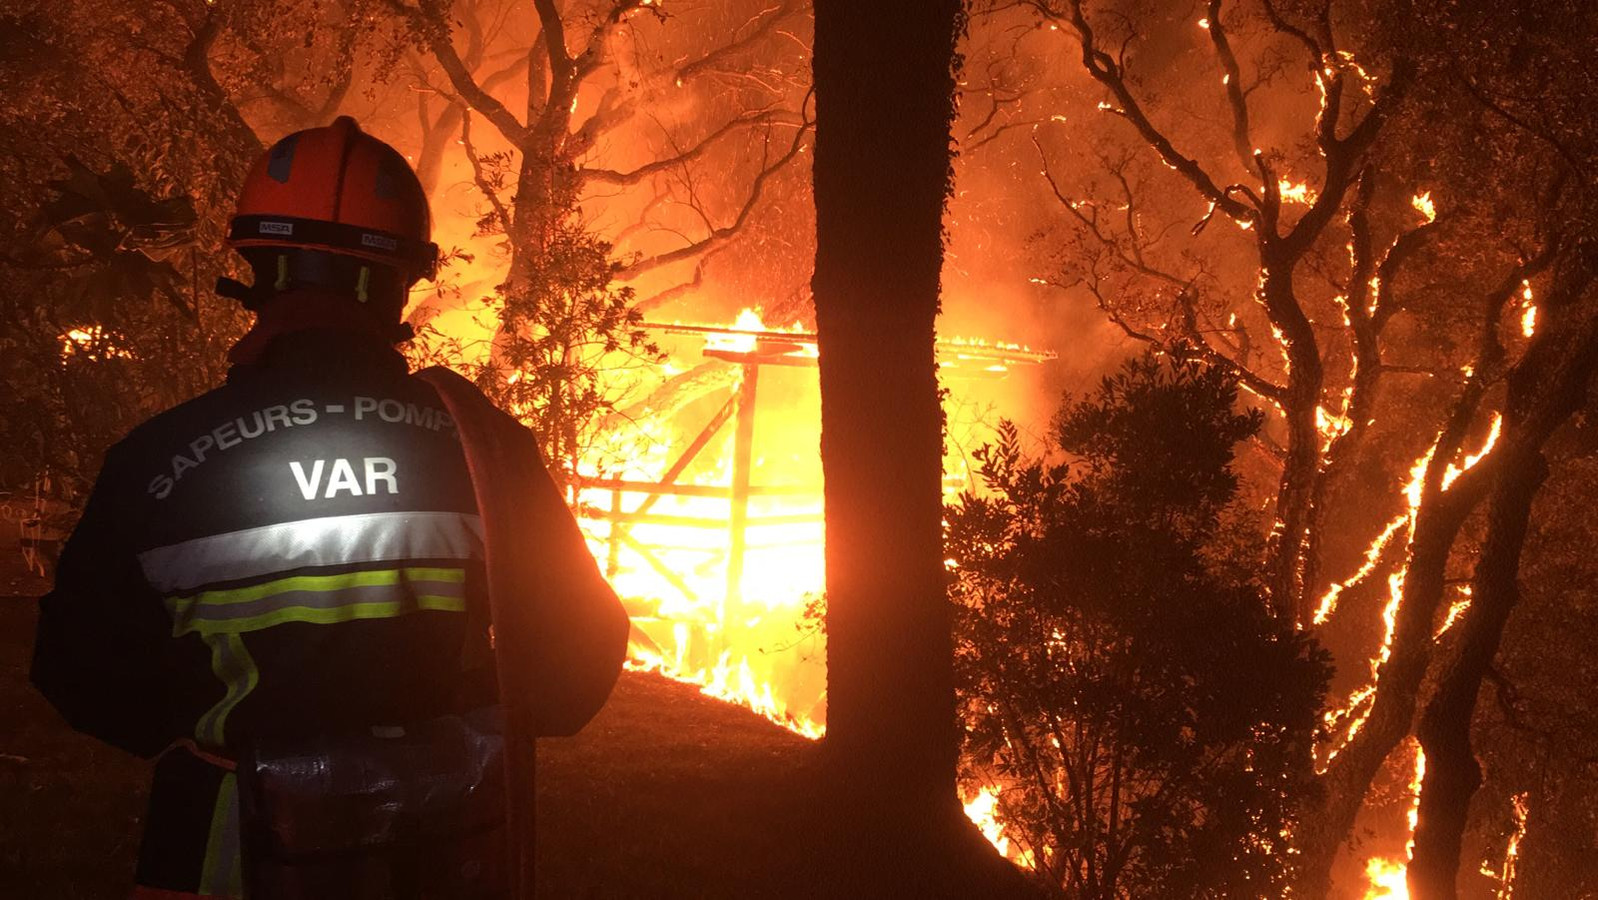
884, 83
1546, 387
1452, 775
1329, 820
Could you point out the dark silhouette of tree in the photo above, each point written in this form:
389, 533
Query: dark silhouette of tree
884, 82
1148, 722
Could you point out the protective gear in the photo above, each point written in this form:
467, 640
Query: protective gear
332, 208
341, 190
294, 554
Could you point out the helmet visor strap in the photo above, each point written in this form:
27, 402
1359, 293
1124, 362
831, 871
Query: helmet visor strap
363, 281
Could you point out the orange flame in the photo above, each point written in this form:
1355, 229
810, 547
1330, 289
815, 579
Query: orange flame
1389, 877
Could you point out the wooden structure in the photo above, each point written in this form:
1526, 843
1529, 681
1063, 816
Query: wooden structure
750, 350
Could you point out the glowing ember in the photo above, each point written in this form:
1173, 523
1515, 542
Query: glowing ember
92, 342
1351, 716
1296, 192
1506, 876
1455, 610
1528, 311
1423, 204
1388, 878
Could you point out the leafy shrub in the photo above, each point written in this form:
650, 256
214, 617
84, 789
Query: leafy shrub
1146, 719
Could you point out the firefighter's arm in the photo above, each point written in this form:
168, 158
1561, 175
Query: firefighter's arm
97, 652
583, 622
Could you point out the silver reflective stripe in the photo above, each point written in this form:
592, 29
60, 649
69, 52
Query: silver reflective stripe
329, 541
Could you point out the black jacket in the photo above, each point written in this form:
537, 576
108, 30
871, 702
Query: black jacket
292, 553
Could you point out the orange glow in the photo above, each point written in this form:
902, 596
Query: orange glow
1423, 204
1388, 877
1296, 192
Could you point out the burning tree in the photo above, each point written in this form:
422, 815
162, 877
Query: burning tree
1315, 247
119, 158
566, 300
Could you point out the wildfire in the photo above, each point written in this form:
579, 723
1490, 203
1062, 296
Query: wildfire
1528, 311
1333, 425
707, 517
983, 811
1388, 877
1423, 204
1296, 192
1351, 717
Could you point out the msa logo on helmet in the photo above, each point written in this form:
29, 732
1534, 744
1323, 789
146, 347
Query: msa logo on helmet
379, 241
282, 228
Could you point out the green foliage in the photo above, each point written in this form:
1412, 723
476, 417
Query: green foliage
566, 327
1146, 718
104, 323
556, 331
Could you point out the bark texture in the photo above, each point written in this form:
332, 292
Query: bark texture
1452, 775
884, 101
1546, 387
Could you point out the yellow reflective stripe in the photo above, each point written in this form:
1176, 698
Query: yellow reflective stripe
233, 664
222, 874
377, 609
320, 599
325, 583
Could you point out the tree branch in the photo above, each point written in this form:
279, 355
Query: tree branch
721, 235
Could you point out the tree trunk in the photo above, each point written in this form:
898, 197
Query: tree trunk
1546, 387
884, 102
1452, 775
1329, 819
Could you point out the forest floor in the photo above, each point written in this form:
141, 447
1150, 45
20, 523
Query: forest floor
668, 793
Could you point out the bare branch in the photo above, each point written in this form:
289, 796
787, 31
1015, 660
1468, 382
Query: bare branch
1108, 71
479, 177
1242, 141
719, 236
612, 114
430, 22
659, 166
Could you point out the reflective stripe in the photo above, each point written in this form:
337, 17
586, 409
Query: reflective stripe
319, 599
235, 667
329, 541
222, 874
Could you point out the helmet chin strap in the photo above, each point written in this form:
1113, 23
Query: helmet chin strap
287, 270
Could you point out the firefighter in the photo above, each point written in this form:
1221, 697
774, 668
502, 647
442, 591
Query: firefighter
298, 566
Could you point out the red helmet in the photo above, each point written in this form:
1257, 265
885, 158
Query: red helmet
338, 190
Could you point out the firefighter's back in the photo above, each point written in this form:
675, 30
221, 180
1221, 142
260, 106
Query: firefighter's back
310, 529
310, 534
